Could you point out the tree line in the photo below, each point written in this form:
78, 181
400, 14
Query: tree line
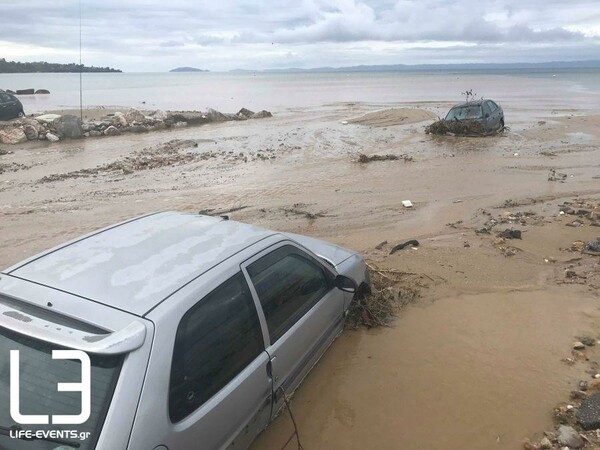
41, 66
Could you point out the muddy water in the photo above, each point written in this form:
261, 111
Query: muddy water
467, 372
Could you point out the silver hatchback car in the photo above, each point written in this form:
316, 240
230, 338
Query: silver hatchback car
169, 331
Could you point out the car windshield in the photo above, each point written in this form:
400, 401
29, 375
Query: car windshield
465, 113
39, 376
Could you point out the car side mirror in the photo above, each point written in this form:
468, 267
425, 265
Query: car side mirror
345, 284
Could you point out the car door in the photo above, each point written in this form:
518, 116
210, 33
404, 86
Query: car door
220, 389
300, 308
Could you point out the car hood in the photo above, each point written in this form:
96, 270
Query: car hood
331, 252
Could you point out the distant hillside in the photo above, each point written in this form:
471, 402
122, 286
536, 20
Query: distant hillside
187, 69
594, 64
45, 67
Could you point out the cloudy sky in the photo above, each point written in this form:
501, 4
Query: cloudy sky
150, 35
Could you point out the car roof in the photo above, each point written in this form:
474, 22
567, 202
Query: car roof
472, 103
135, 265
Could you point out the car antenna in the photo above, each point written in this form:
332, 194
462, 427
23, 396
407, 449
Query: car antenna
80, 70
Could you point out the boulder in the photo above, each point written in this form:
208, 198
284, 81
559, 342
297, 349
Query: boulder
68, 126
12, 135
180, 124
112, 131
95, 133
133, 115
588, 415
569, 437
52, 137
262, 114
245, 113
42, 91
159, 115
119, 120
47, 118
25, 91
212, 115
31, 132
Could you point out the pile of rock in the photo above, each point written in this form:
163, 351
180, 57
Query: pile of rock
55, 127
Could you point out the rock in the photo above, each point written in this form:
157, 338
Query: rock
95, 133
592, 246
583, 385
586, 340
569, 437
578, 395
578, 345
42, 91
528, 445
52, 137
31, 132
579, 355
593, 385
68, 127
179, 124
119, 120
137, 129
134, 115
510, 234
262, 114
545, 443
588, 415
159, 115
47, 118
25, 91
245, 113
112, 131
12, 135
212, 115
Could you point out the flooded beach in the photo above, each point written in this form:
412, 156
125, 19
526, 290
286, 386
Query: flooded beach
477, 361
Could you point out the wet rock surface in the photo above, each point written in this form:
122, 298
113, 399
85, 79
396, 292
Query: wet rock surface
588, 415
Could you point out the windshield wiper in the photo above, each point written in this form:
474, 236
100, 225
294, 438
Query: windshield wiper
14, 428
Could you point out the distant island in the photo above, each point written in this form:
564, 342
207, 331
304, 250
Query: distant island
593, 64
187, 69
45, 67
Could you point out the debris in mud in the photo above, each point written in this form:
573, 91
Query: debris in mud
407, 203
411, 243
362, 158
592, 246
12, 167
456, 127
509, 234
557, 176
298, 209
390, 291
168, 154
381, 245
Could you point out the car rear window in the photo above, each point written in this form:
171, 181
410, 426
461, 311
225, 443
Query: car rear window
465, 113
39, 377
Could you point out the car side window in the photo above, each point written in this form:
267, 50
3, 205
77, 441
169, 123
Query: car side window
486, 108
493, 106
288, 283
216, 339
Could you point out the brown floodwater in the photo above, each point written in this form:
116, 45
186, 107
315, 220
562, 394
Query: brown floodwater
467, 372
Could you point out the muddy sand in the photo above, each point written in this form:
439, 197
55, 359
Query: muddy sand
477, 361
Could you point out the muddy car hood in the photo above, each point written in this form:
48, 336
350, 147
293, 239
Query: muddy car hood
330, 252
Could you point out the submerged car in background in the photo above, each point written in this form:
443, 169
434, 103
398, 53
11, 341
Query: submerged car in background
486, 112
10, 107
196, 328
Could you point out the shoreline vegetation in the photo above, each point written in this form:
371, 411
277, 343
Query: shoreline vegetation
46, 67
